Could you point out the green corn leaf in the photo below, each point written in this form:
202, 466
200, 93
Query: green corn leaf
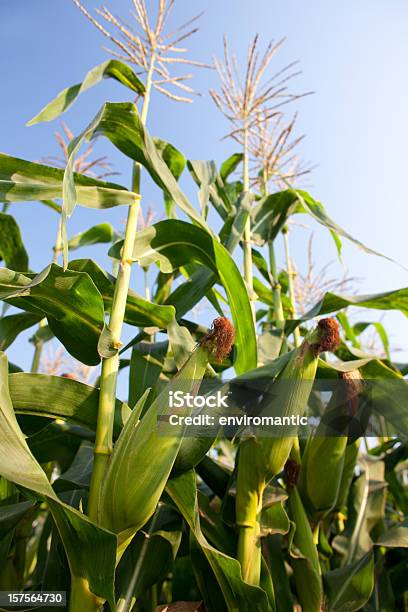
206, 581
12, 325
331, 302
272, 213
110, 69
349, 466
367, 507
305, 559
121, 124
181, 342
173, 243
70, 301
149, 557
10, 516
350, 587
146, 365
396, 537
22, 181
205, 175
238, 594
90, 549
174, 159
176, 163
12, 250
139, 311
273, 549
78, 475
359, 328
230, 165
233, 229
57, 397
98, 234
189, 293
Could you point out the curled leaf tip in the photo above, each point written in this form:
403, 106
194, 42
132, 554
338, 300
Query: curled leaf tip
220, 338
328, 335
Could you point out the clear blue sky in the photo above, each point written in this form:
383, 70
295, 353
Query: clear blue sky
353, 55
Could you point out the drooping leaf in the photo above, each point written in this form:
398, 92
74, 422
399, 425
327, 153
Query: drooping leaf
350, 587
331, 302
12, 325
57, 397
121, 124
272, 213
70, 301
359, 328
238, 594
12, 250
205, 175
22, 181
78, 475
97, 234
139, 311
396, 537
173, 243
230, 165
174, 159
112, 68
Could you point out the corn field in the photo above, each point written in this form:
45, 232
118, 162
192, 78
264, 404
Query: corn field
152, 504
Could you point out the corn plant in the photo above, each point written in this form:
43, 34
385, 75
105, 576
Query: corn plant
100, 497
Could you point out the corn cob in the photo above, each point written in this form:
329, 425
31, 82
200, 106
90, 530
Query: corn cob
323, 459
142, 459
262, 459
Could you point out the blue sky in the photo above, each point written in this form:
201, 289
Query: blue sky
353, 56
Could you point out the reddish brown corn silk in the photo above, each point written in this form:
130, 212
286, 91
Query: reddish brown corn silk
220, 338
328, 335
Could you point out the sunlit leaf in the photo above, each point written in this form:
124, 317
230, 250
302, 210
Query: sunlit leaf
110, 69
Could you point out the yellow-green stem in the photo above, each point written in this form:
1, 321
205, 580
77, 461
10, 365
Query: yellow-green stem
248, 507
291, 276
110, 365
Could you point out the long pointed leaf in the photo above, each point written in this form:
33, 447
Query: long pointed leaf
111, 68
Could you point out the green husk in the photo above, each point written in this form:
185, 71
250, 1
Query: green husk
143, 457
323, 460
262, 459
